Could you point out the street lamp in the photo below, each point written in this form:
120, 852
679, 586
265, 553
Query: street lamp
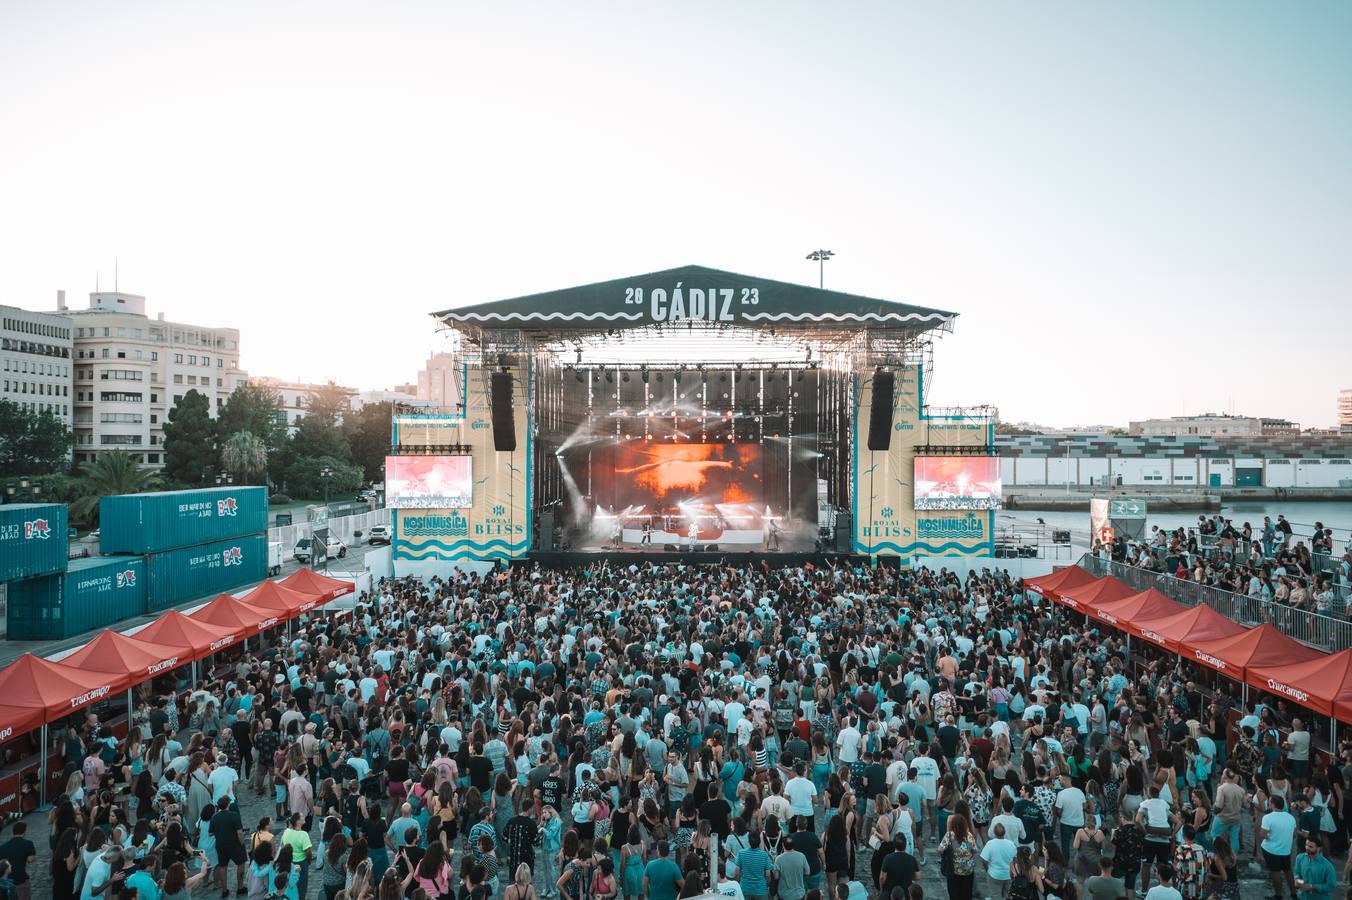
24, 493
820, 257
326, 473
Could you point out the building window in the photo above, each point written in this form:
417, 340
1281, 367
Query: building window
153, 457
178, 358
120, 439
178, 378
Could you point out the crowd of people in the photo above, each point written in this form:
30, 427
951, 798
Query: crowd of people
640, 731
1267, 564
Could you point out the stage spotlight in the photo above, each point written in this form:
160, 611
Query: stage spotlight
659, 377
610, 376
625, 377
579, 375
643, 373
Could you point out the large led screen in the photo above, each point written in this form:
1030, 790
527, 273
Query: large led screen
428, 482
957, 482
660, 475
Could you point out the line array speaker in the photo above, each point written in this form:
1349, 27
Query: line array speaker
504, 424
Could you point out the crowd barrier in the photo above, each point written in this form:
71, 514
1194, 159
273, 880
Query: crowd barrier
1328, 632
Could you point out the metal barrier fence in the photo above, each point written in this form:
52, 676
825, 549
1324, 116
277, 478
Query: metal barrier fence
342, 527
1312, 628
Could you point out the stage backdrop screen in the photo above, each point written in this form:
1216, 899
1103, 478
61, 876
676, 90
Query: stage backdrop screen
428, 482
957, 482
660, 475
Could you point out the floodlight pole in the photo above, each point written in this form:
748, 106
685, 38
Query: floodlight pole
820, 257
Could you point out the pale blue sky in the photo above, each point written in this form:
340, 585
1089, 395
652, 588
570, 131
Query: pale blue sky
1137, 208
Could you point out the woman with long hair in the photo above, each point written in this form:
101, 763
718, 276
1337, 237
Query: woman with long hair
331, 863
65, 860
521, 887
178, 884
957, 853
836, 848
432, 874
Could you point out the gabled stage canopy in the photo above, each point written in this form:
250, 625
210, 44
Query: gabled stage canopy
693, 294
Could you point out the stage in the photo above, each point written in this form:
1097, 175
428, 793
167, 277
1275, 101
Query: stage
691, 415
568, 558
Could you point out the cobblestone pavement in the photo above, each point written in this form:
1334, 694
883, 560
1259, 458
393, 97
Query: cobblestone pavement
253, 807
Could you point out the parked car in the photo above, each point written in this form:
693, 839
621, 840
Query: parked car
335, 547
379, 534
302, 551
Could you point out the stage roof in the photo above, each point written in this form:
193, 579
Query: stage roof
706, 296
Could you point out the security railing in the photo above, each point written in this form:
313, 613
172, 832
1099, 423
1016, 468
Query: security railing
1321, 631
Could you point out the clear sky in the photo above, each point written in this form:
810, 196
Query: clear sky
1137, 208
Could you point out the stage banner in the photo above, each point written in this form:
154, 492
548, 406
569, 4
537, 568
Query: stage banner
887, 523
496, 522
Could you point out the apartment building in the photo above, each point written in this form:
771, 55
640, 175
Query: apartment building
295, 397
131, 369
35, 361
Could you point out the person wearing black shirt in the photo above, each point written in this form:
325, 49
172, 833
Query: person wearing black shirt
899, 867
551, 789
809, 844
875, 778
717, 811
480, 769
228, 830
20, 852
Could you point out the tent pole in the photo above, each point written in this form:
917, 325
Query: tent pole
131, 704
42, 767
194, 674
1333, 737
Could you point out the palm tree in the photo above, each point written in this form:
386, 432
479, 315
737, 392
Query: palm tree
113, 472
245, 456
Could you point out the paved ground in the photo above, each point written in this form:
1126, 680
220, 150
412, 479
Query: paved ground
254, 807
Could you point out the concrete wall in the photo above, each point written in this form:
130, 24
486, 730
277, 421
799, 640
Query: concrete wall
1187, 472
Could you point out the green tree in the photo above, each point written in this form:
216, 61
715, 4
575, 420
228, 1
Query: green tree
319, 432
113, 472
303, 479
31, 443
245, 456
190, 440
257, 409
368, 434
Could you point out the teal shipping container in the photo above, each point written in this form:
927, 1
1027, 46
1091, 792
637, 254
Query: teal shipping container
32, 540
150, 523
94, 593
190, 573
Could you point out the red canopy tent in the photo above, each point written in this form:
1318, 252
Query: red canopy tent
1101, 591
310, 582
1049, 585
283, 603
228, 612
1149, 604
198, 639
17, 720
133, 657
1198, 623
1317, 684
34, 683
1261, 646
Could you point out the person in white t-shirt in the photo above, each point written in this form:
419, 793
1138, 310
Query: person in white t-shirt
848, 741
800, 791
1069, 810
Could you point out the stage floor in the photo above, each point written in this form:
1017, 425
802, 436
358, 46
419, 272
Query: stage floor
562, 558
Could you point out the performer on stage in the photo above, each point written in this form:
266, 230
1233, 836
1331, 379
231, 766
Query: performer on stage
772, 538
694, 533
647, 533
